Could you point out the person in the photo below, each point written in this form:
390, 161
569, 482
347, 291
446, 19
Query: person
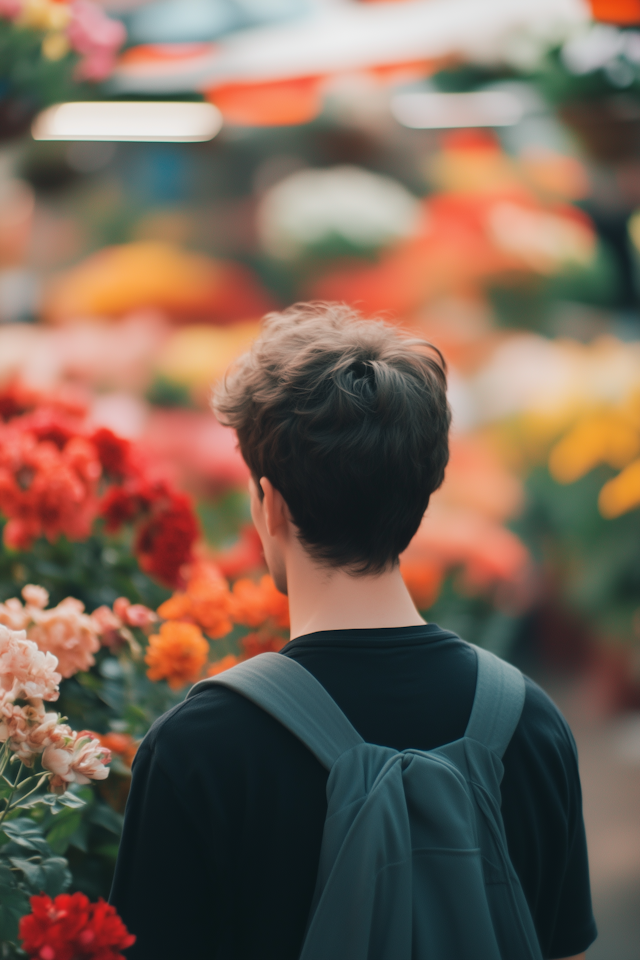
343, 423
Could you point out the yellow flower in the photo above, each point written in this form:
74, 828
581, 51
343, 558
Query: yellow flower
622, 493
607, 437
55, 46
45, 15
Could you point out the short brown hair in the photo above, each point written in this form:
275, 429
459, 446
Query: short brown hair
349, 420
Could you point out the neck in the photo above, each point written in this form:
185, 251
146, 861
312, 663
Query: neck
322, 598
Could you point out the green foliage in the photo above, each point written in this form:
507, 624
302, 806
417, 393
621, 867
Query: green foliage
29, 865
592, 563
28, 76
96, 571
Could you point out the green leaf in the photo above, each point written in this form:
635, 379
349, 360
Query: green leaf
57, 802
57, 876
25, 833
14, 904
31, 871
66, 824
105, 816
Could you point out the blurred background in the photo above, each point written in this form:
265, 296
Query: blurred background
469, 171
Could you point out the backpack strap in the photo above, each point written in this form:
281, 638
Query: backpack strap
284, 689
497, 704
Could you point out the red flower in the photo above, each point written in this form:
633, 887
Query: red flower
45, 491
164, 543
72, 928
113, 451
120, 505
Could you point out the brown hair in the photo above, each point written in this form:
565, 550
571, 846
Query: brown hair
349, 420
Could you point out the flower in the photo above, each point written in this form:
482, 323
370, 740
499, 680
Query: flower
96, 37
45, 490
621, 493
25, 671
68, 633
207, 602
121, 745
225, 663
164, 543
113, 451
13, 614
133, 614
70, 927
253, 604
423, 580
35, 596
10, 9
177, 654
76, 757
168, 530
255, 643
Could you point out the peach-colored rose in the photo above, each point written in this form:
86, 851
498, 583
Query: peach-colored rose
26, 671
67, 632
90, 759
57, 759
13, 614
35, 596
140, 616
77, 759
106, 625
28, 729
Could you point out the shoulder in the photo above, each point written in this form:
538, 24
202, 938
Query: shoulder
542, 750
218, 729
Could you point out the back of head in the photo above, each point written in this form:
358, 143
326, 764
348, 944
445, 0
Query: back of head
349, 420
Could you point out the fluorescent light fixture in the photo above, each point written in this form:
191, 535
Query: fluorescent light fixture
128, 120
484, 108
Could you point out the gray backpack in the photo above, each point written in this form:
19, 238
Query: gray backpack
414, 862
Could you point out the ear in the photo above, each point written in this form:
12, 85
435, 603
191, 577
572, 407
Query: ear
276, 513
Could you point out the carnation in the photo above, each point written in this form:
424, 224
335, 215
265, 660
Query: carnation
177, 654
70, 927
68, 633
26, 671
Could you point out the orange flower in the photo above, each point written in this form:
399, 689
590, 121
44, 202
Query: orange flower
253, 604
120, 744
207, 603
423, 580
255, 643
177, 654
221, 665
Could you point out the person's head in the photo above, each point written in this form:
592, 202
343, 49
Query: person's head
348, 421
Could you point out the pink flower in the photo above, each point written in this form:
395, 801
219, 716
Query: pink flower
106, 625
10, 9
28, 729
90, 759
133, 614
67, 632
25, 671
13, 614
35, 596
78, 758
96, 37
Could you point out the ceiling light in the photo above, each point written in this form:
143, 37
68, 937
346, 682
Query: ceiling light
128, 120
483, 108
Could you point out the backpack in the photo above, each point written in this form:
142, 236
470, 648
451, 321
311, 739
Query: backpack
414, 862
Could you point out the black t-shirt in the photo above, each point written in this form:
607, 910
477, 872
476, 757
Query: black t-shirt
224, 821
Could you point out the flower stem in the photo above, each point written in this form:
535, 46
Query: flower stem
19, 800
14, 787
